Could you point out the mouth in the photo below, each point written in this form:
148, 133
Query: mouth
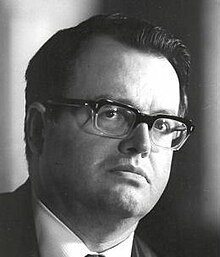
131, 169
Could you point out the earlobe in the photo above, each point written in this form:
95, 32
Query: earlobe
35, 127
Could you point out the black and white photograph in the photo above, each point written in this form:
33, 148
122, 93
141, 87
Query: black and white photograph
109, 128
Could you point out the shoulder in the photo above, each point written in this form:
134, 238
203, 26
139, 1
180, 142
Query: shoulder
17, 231
11, 204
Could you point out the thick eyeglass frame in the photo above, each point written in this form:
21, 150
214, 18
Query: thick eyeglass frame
140, 117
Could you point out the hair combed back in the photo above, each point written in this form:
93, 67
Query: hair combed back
48, 69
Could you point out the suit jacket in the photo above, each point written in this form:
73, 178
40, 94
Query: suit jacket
17, 230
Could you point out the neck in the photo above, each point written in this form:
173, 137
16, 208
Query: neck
98, 231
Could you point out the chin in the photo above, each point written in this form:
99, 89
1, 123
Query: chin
126, 205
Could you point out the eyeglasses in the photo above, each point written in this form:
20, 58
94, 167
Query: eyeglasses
116, 120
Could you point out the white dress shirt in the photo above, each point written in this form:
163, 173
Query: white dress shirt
55, 239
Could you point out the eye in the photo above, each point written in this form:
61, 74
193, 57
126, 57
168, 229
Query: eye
114, 120
163, 126
112, 113
111, 117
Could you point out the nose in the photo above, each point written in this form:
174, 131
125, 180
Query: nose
138, 142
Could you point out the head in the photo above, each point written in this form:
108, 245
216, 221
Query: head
71, 164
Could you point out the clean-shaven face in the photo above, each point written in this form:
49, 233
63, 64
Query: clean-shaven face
84, 171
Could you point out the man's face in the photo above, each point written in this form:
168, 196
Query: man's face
84, 171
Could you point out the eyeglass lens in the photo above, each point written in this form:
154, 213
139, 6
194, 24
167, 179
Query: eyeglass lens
117, 121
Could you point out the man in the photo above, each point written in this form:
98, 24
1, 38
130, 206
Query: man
105, 106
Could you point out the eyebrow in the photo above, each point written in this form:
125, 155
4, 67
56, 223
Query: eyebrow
167, 112
118, 99
131, 103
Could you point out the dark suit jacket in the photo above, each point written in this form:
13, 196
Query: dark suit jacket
17, 231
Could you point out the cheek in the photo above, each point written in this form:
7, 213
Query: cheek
79, 153
79, 166
161, 163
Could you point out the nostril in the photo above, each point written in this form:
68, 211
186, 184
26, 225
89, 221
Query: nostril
132, 150
144, 154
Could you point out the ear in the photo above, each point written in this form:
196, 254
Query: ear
35, 127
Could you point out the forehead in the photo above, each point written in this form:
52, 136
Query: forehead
107, 68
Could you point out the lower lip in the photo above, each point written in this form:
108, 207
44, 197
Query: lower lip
128, 174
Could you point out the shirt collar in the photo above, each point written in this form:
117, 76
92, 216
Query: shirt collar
55, 239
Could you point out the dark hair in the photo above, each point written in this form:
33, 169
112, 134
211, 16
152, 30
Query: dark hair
47, 70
